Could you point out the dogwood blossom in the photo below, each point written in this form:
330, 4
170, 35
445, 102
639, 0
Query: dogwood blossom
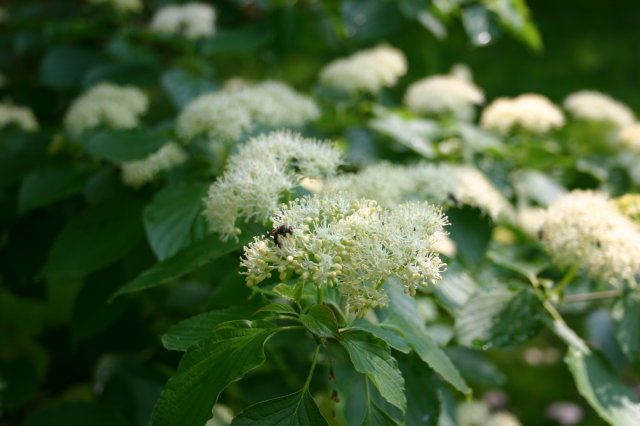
353, 244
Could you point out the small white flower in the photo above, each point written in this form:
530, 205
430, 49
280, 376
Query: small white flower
591, 105
369, 70
21, 117
118, 107
531, 112
137, 173
121, 5
584, 229
443, 94
261, 172
191, 20
355, 245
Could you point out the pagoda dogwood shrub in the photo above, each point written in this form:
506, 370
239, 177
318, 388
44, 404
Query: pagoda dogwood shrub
306, 213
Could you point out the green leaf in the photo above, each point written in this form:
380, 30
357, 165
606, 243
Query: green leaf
514, 15
475, 368
423, 402
499, 318
233, 349
20, 153
49, 184
375, 416
297, 409
91, 312
372, 357
128, 384
121, 73
63, 66
173, 220
602, 389
539, 187
182, 86
250, 38
479, 25
405, 319
321, 321
123, 145
393, 339
471, 231
96, 238
527, 268
76, 414
455, 289
277, 308
428, 350
411, 8
191, 331
186, 260
599, 328
368, 20
626, 316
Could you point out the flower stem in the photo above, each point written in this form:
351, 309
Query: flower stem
568, 277
320, 295
313, 367
592, 296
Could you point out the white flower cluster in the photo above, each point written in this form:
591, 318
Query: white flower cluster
226, 115
591, 105
260, 173
190, 20
119, 107
531, 112
585, 229
139, 172
630, 137
121, 5
443, 94
366, 71
438, 183
356, 245
21, 117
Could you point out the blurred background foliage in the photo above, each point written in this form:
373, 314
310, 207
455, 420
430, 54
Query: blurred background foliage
60, 343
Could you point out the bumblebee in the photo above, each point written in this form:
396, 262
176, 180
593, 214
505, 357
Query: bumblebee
279, 233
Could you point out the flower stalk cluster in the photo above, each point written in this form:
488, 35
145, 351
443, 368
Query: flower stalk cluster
139, 172
529, 112
443, 94
442, 184
22, 117
585, 230
118, 107
227, 115
191, 20
590, 105
369, 70
353, 244
262, 171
